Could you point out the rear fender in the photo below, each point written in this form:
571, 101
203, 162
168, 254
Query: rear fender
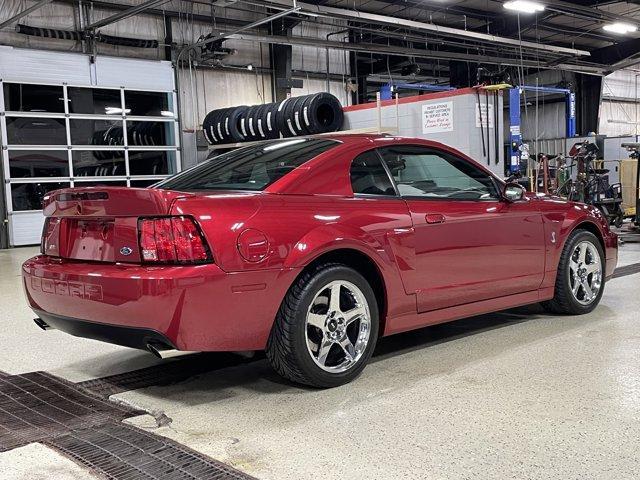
326, 238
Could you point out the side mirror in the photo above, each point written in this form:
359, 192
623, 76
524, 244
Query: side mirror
513, 192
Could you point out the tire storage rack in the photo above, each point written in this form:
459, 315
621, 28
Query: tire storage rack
305, 115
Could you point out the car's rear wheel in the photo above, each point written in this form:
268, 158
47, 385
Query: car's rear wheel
326, 328
580, 279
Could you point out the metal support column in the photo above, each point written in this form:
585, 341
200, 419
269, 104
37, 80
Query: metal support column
515, 134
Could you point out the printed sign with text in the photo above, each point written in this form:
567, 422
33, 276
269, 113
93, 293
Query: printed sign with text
437, 117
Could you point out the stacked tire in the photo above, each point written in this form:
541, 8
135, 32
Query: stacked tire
138, 134
306, 115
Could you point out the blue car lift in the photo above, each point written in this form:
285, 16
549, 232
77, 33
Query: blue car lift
515, 133
386, 91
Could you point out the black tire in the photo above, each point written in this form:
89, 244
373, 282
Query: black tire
298, 115
207, 125
250, 124
281, 124
270, 121
297, 121
289, 126
325, 113
260, 122
287, 346
219, 126
305, 115
234, 123
564, 301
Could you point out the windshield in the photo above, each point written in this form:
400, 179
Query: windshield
250, 168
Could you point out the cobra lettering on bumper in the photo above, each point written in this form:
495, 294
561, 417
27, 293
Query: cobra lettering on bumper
87, 291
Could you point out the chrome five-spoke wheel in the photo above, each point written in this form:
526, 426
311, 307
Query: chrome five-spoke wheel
338, 326
585, 273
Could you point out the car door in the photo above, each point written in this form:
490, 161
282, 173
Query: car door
470, 245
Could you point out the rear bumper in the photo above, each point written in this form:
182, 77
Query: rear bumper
194, 308
133, 337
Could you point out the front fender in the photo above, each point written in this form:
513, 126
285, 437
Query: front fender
561, 222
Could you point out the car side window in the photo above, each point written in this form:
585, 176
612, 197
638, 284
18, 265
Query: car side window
433, 174
369, 176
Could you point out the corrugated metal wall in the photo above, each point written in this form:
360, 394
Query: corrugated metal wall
618, 117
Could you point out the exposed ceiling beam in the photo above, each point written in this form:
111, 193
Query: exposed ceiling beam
590, 12
24, 13
129, 12
365, 17
410, 52
619, 52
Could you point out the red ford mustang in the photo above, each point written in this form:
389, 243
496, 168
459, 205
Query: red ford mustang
310, 249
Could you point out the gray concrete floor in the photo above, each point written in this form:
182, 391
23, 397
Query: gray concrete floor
519, 394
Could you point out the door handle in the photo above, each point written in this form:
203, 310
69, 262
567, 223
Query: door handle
434, 218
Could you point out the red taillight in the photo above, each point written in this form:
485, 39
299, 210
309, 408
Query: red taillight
172, 240
46, 247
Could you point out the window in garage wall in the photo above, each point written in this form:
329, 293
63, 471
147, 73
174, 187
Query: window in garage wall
57, 136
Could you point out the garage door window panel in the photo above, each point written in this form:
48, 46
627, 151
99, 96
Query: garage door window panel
38, 163
29, 196
100, 163
100, 183
97, 132
151, 162
98, 101
43, 131
436, 175
24, 97
148, 104
150, 133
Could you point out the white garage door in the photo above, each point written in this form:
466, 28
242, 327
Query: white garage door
69, 122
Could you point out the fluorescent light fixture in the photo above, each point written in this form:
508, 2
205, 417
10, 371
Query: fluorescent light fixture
116, 110
620, 27
524, 6
166, 113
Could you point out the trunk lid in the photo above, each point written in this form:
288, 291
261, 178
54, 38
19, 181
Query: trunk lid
100, 223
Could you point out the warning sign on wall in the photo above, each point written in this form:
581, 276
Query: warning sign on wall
487, 117
437, 117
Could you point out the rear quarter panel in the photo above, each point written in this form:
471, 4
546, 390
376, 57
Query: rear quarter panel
300, 228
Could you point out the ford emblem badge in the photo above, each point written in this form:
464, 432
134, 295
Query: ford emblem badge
126, 251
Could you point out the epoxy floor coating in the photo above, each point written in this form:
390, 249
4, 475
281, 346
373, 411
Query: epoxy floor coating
520, 394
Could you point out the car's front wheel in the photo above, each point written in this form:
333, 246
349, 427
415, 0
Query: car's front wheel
326, 328
580, 279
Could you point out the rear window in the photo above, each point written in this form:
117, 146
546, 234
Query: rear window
250, 168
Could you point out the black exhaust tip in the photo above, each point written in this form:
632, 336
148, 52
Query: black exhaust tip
42, 324
155, 349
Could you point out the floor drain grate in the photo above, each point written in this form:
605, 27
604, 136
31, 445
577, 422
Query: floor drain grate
35, 406
119, 451
163, 374
39, 407
627, 270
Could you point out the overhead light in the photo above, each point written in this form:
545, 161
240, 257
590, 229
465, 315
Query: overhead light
116, 111
620, 27
524, 6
